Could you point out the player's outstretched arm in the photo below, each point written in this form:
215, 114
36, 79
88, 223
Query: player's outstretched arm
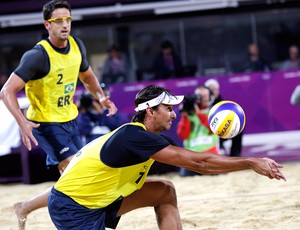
209, 163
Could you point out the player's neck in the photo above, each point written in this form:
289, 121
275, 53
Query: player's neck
58, 43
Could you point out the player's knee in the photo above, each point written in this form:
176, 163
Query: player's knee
169, 194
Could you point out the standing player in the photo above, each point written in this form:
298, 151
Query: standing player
49, 73
107, 177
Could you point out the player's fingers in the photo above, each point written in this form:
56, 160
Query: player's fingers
34, 140
112, 109
35, 125
111, 112
279, 176
27, 142
277, 165
273, 163
275, 169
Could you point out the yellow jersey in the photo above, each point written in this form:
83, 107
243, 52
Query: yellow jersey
51, 97
112, 166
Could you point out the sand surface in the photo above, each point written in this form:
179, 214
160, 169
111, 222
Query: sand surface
239, 200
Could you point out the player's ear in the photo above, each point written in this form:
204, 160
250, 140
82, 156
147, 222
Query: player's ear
149, 111
46, 24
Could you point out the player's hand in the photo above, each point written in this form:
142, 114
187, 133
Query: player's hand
97, 106
105, 101
267, 167
26, 133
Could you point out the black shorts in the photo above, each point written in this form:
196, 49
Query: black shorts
58, 140
65, 213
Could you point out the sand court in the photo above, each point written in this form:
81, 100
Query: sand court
239, 200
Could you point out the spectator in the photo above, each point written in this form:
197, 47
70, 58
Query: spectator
214, 86
167, 64
193, 125
116, 68
236, 142
92, 120
295, 97
255, 62
293, 62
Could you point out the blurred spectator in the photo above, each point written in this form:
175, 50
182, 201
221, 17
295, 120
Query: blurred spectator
293, 62
3, 79
295, 97
193, 125
255, 62
236, 142
116, 68
167, 64
92, 119
214, 86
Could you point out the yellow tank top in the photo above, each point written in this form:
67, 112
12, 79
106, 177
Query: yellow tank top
91, 183
51, 97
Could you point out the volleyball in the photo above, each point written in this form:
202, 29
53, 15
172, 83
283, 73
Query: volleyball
226, 119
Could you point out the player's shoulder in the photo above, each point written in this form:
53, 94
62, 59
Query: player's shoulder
37, 52
79, 43
169, 139
137, 131
78, 40
132, 130
132, 126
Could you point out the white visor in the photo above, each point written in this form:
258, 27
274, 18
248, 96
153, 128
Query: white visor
164, 98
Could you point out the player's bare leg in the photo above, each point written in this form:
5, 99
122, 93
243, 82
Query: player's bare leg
63, 164
158, 194
22, 209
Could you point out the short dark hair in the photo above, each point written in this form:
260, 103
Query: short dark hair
146, 94
166, 44
49, 7
113, 47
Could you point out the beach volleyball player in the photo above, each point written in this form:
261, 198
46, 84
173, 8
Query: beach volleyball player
107, 177
49, 73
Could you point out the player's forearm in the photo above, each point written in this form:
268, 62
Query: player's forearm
201, 162
210, 163
94, 88
11, 102
221, 164
91, 83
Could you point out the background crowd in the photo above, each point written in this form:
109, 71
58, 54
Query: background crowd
116, 68
167, 64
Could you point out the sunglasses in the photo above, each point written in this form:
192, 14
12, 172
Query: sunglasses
60, 21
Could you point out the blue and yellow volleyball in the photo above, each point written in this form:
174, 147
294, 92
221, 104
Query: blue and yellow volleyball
227, 119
